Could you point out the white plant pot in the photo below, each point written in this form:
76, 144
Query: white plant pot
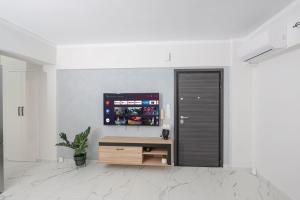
164, 161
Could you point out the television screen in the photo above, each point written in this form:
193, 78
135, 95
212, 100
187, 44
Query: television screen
136, 109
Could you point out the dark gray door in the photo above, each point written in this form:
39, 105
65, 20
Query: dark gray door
198, 118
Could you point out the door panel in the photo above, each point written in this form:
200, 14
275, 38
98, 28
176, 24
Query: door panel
20, 137
31, 102
12, 120
198, 113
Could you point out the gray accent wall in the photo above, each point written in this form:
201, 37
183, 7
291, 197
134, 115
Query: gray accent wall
80, 101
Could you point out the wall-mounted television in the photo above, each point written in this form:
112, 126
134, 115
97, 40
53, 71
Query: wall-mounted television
131, 109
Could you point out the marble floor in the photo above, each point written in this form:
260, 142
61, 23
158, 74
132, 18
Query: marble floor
53, 181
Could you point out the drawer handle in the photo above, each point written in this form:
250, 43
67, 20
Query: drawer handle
119, 149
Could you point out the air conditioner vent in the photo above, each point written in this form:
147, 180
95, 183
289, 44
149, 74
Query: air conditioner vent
263, 46
249, 59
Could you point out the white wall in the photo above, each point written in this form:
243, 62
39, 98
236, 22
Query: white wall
240, 110
277, 130
48, 132
183, 54
19, 43
275, 105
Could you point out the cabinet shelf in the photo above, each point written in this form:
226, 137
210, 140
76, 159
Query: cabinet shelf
158, 151
153, 161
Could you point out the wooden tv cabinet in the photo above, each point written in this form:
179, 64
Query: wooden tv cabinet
131, 150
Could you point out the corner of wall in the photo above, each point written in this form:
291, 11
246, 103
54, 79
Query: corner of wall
48, 130
240, 110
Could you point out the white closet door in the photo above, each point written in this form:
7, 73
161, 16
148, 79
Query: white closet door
13, 122
20, 144
31, 113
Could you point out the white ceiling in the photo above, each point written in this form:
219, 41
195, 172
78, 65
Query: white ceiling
112, 21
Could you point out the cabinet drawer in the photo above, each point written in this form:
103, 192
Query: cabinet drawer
120, 158
121, 149
121, 155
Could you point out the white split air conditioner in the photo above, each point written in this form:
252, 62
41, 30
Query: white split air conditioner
263, 46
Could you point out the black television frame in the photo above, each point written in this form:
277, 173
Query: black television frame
133, 125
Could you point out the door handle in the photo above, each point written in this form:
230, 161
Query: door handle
19, 111
22, 110
183, 117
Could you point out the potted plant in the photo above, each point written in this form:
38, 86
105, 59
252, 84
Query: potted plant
79, 145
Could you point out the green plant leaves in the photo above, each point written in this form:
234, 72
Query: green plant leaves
63, 144
63, 136
79, 144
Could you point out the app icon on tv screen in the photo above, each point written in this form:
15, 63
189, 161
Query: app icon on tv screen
140, 109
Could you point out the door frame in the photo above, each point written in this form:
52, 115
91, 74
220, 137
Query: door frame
221, 107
